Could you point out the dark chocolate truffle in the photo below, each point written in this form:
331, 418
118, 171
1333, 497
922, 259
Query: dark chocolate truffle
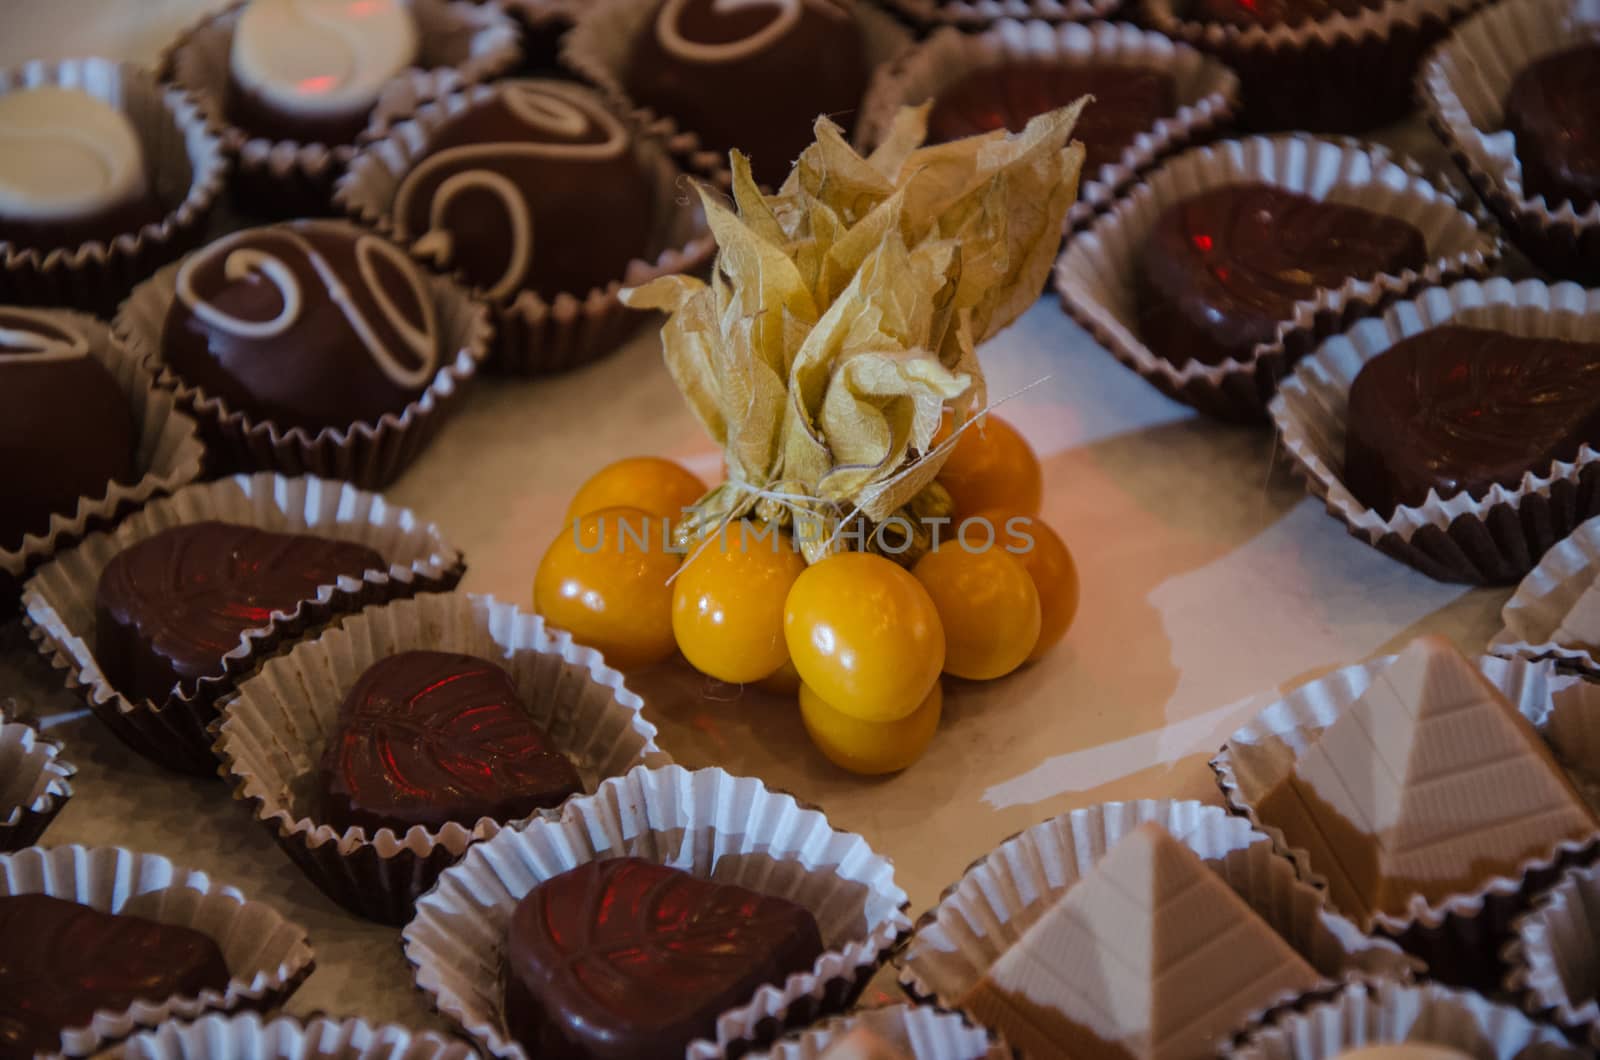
171, 606
66, 428
61, 962
536, 188
1128, 100
308, 324
630, 960
1458, 409
1551, 110
752, 76
1247, 13
1220, 270
429, 737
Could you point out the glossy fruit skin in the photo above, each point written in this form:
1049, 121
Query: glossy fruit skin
991, 466
1049, 562
661, 487
611, 594
727, 603
864, 634
871, 748
987, 604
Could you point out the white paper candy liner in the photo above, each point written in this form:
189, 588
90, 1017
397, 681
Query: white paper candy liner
267, 955
273, 734
1463, 85
1096, 274
369, 454
35, 783
1459, 937
1553, 958
1207, 92
533, 336
169, 455
186, 164
921, 1031
1536, 610
1380, 1013
1495, 540
969, 15
1000, 896
706, 822
249, 1037
461, 43
59, 599
600, 47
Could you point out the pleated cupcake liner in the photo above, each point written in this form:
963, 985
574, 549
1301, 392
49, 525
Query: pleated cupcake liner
1553, 958
534, 335
1459, 938
1364, 1015
1463, 84
267, 955
1533, 616
369, 454
187, 163
169, 456
600, 47
925, 1032
706, 822
1341, 74
972, 15
1096, 274
1000, 896
272, 736
249, 1036
59, 600
461, 44
1495, 540
35, 783
1207, 92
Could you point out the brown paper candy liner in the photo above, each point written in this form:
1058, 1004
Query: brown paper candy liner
1463, 85
1095, 276
59, 600
1492, 541
1207, 92
273, 733
267, 955
1553, 959
1001, 895
186, 163
461, 43
371, 455
1458, 938
1535, 611
706, 822
545, 23
970, 15
169, 456
925, 1032
1342, 74
1360, 1015
533, 336
248, 1036
601, 44
35, 783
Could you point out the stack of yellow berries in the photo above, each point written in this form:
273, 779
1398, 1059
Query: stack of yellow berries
862, 639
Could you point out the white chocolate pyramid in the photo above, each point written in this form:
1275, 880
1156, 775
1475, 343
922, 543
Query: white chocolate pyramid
1431, 783
1581, 627
862, 1044
1151, 956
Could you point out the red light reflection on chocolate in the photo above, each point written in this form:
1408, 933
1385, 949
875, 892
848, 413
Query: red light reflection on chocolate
315, 86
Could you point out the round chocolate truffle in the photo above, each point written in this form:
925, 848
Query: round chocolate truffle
72, 170
309, 324
751, 74
534, 188
66, 428
312, 70
1550, 109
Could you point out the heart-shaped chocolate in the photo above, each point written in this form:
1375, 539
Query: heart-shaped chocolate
171, 606
1458, 409
428, 737
61, 962
625, 959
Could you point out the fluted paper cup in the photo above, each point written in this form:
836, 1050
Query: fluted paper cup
35, 783
250, 1037
921, 1031
706, 822
267, 956
1534, 614
59, 600
1553, 959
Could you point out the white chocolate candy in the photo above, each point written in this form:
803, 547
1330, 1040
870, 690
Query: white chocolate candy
65, 154
1405, 1051
322, 57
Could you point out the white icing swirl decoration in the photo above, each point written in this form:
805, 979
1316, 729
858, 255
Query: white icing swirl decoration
64, 153
672, 38
35, 337
319, 57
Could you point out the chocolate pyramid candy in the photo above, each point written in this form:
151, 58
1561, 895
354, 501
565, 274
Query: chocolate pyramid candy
630, 960
428, 737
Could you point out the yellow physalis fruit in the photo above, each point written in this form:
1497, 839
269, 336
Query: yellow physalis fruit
604, 580
1049, 562
727, 602
663, 488
864, 634
987, 604
991, 466
866, 747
